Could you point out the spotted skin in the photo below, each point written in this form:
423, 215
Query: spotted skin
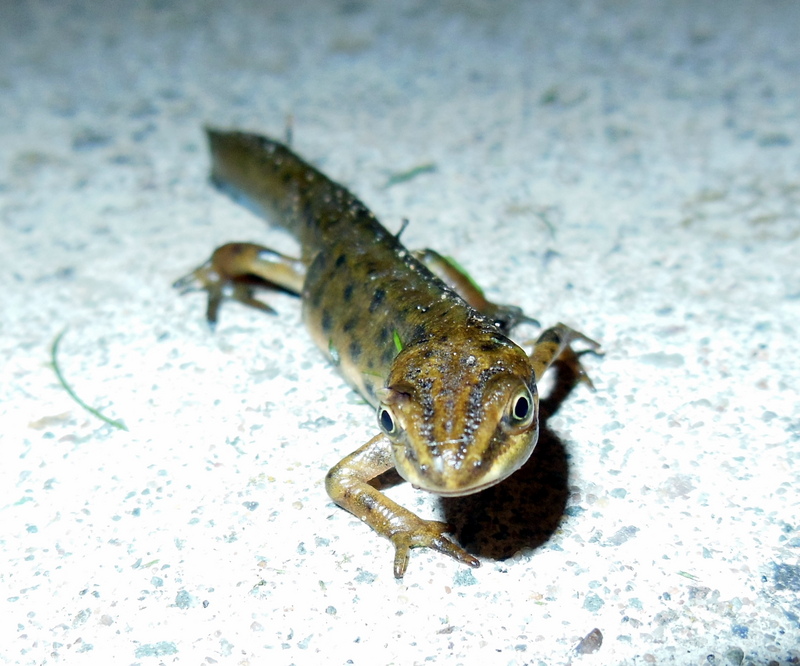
455, 398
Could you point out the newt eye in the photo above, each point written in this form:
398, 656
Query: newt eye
386, 421
521, 408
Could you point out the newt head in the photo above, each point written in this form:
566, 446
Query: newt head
461, 415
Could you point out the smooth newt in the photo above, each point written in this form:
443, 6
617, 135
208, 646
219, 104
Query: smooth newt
456, 400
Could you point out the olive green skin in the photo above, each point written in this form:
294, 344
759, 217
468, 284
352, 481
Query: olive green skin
456, 400
365, 297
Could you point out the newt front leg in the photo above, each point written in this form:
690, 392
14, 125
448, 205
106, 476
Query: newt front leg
554, 344
347, 484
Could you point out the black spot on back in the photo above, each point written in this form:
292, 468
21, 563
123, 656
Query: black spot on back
308, 213
420, 333
388, 355
370, 267
377, 299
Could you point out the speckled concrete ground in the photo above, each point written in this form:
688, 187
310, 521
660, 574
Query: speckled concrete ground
629, 168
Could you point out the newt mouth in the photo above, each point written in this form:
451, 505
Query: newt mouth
459, 492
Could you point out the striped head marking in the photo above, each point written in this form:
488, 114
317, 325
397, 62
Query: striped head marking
461, 416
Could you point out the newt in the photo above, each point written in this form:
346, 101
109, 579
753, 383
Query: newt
455, 399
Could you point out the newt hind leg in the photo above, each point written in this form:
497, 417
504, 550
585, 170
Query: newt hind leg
236, 270
505, 317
